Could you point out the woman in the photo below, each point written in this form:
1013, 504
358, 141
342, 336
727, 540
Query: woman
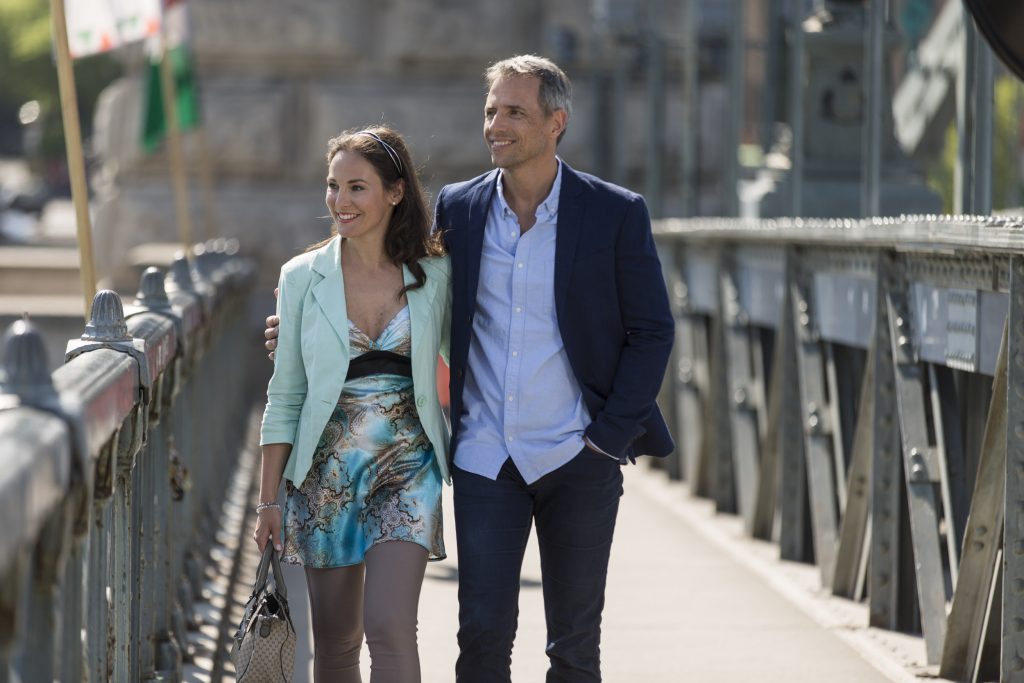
353, 422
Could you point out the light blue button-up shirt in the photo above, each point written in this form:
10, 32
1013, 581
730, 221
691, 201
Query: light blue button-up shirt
521, 399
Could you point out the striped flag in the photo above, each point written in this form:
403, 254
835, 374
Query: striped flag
96, 26
154, 125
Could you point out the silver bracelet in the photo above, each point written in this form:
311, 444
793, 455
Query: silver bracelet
266, 506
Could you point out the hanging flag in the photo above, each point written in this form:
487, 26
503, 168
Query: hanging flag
96, 26
154, 125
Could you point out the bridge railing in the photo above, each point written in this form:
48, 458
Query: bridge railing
115, 468
855, 391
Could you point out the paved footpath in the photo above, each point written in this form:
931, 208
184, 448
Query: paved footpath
689, 599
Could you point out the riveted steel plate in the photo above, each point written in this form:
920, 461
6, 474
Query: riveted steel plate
992, 309
761, 283
958, 328
844, 307
701, 271
850, 261
965, 270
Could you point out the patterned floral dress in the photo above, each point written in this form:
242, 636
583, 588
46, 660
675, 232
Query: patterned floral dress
373, 478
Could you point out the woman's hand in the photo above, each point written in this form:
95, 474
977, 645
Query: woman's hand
270, 334
268, 526
273, 323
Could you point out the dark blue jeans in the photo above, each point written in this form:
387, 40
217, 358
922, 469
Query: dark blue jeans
574, 509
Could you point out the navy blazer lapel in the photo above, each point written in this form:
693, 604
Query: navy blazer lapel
479, 204
567, 235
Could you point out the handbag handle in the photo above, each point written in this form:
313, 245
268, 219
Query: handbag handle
270, 559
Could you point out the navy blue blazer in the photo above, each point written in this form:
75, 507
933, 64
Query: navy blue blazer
610, 299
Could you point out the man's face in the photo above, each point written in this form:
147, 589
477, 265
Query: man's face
517, 130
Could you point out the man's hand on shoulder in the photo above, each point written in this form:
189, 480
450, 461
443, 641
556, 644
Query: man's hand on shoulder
270, 334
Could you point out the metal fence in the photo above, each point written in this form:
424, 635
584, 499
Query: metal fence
854, 389
114, 471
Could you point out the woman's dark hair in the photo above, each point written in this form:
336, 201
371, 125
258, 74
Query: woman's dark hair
408, 238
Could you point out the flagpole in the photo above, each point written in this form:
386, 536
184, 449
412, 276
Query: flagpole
206, 184
174, 145
75, 155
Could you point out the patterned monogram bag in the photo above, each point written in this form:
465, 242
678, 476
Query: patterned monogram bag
264, 648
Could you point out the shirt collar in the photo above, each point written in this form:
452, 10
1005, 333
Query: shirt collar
548, 208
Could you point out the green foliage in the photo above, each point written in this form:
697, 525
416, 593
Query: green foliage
1007, 185
1006, 148
27, 72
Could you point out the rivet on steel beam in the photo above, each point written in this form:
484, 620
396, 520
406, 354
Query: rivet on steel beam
883, 579
106, 323
152, 293
1018, 624
813, 416
1018, 586
739, 397
24, 371
1017, 664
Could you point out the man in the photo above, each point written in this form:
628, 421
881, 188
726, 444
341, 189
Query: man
561, 331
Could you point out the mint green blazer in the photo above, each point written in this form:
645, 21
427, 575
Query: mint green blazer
312, 355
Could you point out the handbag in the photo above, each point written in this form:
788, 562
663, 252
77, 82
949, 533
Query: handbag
264, 647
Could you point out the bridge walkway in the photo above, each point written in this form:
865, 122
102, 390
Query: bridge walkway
690, 598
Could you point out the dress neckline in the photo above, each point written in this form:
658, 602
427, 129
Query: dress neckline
375, 343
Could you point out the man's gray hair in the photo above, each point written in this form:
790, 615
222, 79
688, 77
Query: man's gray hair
555, 87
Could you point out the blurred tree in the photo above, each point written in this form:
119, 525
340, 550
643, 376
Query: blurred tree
27, 72
1007, 151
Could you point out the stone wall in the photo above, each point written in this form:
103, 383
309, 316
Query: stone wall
279, 78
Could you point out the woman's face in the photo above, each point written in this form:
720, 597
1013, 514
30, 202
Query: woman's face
356, 197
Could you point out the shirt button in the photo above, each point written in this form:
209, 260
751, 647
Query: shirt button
421, 401
510, 438
519, 309
515, 353
511, 397
519, 265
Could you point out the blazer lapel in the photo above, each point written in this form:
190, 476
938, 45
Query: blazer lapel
420, 326
330, 291
479, 203
567, 234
